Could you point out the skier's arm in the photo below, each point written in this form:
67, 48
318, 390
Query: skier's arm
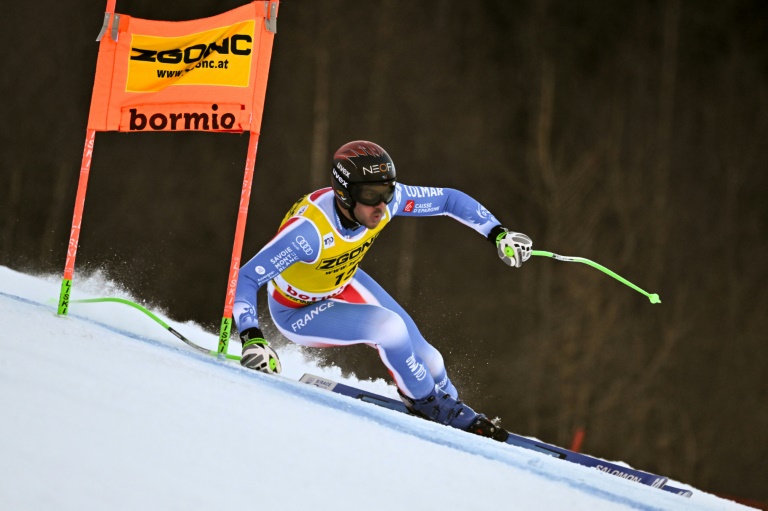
298, 240
513, 248
432, 201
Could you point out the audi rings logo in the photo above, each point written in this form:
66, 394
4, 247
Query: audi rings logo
304, 245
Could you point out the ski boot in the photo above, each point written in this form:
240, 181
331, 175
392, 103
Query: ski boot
439, 406
489, 428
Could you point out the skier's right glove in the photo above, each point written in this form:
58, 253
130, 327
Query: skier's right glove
513, 248
257, 354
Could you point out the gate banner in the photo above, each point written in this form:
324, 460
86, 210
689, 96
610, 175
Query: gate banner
208, 74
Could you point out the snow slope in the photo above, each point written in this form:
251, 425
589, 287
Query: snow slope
104, 410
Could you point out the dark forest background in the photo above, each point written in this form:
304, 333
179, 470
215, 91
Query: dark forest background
630, 133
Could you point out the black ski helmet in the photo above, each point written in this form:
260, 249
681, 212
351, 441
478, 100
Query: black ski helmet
360, 162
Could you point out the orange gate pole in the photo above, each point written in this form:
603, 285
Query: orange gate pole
77, 219
77, 216
237, 249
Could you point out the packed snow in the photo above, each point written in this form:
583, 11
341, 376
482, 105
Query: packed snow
104, 409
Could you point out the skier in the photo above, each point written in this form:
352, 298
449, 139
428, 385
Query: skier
319, 296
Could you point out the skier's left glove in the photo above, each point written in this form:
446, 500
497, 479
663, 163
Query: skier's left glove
513, 248
257, 354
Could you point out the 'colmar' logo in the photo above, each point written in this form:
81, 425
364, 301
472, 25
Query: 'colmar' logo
422, 191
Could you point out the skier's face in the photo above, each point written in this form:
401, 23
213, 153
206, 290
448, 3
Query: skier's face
370, 216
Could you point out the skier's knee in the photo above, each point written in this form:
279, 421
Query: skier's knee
389, 330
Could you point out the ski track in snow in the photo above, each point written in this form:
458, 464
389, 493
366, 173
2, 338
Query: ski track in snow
106, 410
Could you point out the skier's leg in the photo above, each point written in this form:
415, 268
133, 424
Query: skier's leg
363, 288
441, 404
338, 323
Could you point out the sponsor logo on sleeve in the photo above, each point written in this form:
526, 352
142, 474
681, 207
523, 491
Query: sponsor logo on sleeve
426, 207
284, 259
329, 240
304, 245
420, 192
395, 205
421, 207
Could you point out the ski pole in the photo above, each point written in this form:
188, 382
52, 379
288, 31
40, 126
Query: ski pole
213, 353
653, 297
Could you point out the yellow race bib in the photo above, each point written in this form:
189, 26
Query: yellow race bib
326, 277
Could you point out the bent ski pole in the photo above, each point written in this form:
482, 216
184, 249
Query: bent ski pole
213, 353
653, 297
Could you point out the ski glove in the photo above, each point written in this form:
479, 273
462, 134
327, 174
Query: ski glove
257, 354
513, 248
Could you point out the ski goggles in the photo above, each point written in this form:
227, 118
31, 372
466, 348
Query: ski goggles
373, 194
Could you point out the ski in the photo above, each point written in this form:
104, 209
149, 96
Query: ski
639, 476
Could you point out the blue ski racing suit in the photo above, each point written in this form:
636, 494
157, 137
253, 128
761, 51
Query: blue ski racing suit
319, 296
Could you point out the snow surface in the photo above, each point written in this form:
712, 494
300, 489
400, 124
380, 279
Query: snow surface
105, 410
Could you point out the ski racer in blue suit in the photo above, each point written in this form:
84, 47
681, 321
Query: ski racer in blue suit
319, 296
